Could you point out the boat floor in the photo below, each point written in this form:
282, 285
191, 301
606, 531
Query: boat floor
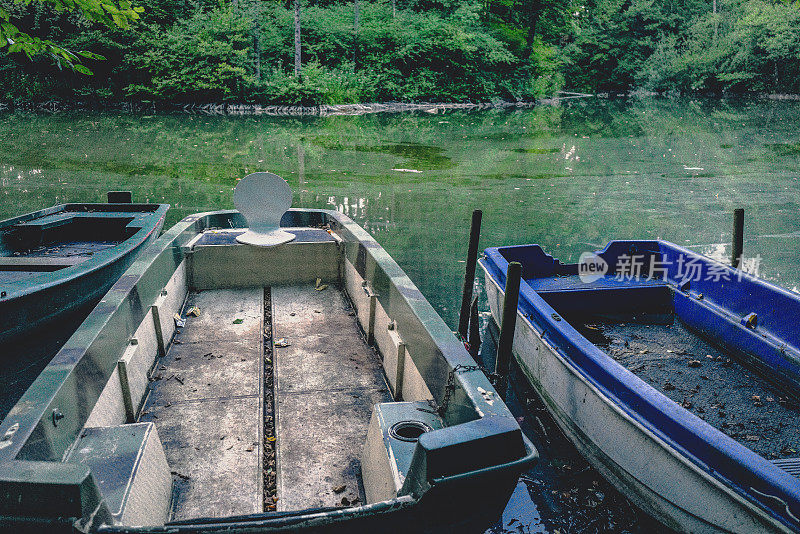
66, 249
326, 380
23, 265
706, 381
215, 417
206, 402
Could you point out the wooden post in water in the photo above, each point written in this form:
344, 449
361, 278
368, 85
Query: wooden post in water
119, 197
474, 330
738, 237
469, 274
506, 341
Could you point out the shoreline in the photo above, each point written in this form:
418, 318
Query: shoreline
328, 110
324, 110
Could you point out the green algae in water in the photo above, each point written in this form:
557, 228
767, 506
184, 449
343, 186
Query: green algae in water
785, 149
422, 156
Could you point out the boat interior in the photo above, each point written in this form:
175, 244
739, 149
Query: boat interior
272, 385
67, 235
718, 342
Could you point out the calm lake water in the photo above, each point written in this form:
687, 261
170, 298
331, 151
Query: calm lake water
570, 177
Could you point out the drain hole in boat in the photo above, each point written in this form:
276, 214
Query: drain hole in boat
408, 430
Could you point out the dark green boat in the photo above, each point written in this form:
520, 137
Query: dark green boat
55, 265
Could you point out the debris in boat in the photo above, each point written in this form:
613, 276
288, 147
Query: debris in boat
488, 396
180, 475
751, 438
194, 311
319, 286
179, 322
292, 314
238, 321
317, 311
720, 390
345, 501
339, 489
282, 342
695, 363
408, 170
686, 403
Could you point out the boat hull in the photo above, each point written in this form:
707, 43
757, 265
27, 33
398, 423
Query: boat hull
53, 297
38, 317
651, 473
75, 426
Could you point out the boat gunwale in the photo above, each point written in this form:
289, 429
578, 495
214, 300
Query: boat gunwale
723, 458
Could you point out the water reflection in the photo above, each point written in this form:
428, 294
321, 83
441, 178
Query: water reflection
569, 177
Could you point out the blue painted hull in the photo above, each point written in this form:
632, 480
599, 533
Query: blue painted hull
748, 317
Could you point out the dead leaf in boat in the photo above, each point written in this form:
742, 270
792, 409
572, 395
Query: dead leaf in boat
751, 438
271, 438
238, 321
319, 286
281, 342
339, 489
686, 404
488, 396
179, 322
669, 386
194, 311
345, 501
695, 363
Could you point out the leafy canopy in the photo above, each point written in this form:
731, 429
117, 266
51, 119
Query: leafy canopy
110, 13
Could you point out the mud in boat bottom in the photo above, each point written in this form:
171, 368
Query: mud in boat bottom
706, 381
232, 438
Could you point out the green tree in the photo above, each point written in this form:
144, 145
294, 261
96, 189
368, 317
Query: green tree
110, 13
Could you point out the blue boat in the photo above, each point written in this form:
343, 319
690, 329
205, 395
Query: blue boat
675, 376
55, 265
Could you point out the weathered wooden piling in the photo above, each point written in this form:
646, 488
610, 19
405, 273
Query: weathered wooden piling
469, 274
506, 341
738, 238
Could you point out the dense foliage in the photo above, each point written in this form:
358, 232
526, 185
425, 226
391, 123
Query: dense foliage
195, 51
242, 51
